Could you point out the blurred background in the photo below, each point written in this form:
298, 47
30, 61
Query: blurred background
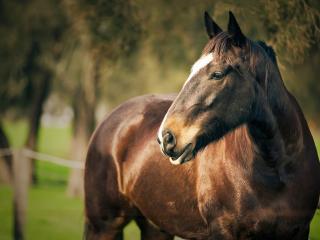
64, 64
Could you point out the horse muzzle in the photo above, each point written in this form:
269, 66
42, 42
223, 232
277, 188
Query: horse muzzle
186, 155
168, 146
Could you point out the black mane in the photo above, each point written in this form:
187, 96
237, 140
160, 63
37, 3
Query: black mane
269, 50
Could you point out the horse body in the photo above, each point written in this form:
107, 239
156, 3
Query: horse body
212, 196
254, 181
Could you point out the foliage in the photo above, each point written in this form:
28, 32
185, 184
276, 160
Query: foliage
28, 49
114, 25
99, 46
293, 27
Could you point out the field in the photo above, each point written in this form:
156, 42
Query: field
51, 213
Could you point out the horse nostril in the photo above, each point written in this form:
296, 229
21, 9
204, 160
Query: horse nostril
168, 138
169, 142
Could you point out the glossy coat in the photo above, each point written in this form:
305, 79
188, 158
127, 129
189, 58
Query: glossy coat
259, 179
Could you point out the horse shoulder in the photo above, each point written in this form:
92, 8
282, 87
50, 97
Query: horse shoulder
124, 130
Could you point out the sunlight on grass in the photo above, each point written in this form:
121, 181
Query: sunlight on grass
52, 140
16, 132
55, 141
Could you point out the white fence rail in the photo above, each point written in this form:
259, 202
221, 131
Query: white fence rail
43, 157
21, 179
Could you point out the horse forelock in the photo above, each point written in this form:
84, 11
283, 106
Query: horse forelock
216, 48
257, 52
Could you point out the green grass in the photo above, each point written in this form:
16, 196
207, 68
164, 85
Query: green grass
51, 214
16, 132
315, 227
52, 140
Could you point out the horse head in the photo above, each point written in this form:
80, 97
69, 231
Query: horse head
222, 91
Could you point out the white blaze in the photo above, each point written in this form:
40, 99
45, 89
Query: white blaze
196, 67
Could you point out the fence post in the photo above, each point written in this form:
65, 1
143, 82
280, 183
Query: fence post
21, 170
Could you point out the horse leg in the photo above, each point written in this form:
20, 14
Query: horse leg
107, 211
111, 229
149, 231
303, 234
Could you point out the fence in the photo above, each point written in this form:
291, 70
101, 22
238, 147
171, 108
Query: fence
21, 181
43, 157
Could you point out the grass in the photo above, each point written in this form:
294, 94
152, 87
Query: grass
52, 140
51, 214
315, 227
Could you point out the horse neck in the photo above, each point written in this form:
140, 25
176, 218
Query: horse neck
275, 127
286, 114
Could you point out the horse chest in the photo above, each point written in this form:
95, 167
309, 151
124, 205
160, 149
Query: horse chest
230, 206
241, 214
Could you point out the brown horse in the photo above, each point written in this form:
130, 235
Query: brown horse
239, 163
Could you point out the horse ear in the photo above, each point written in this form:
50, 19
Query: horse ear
212, 28
235, 31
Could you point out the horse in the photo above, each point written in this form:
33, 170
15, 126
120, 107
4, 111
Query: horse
230, 156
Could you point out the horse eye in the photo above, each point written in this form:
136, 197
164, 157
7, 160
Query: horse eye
217, 75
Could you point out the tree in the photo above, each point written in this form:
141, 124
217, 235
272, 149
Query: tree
294, 30
100, 32
28, 53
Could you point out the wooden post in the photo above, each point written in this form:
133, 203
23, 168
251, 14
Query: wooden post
21, 178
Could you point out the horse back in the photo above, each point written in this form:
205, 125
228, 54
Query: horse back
112, 141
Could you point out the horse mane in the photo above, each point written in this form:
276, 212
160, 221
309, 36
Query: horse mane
269, 50
258, 51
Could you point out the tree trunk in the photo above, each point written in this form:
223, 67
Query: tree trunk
79, 146
84, 121
21, 173
82, 128
40, 95
5, 160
